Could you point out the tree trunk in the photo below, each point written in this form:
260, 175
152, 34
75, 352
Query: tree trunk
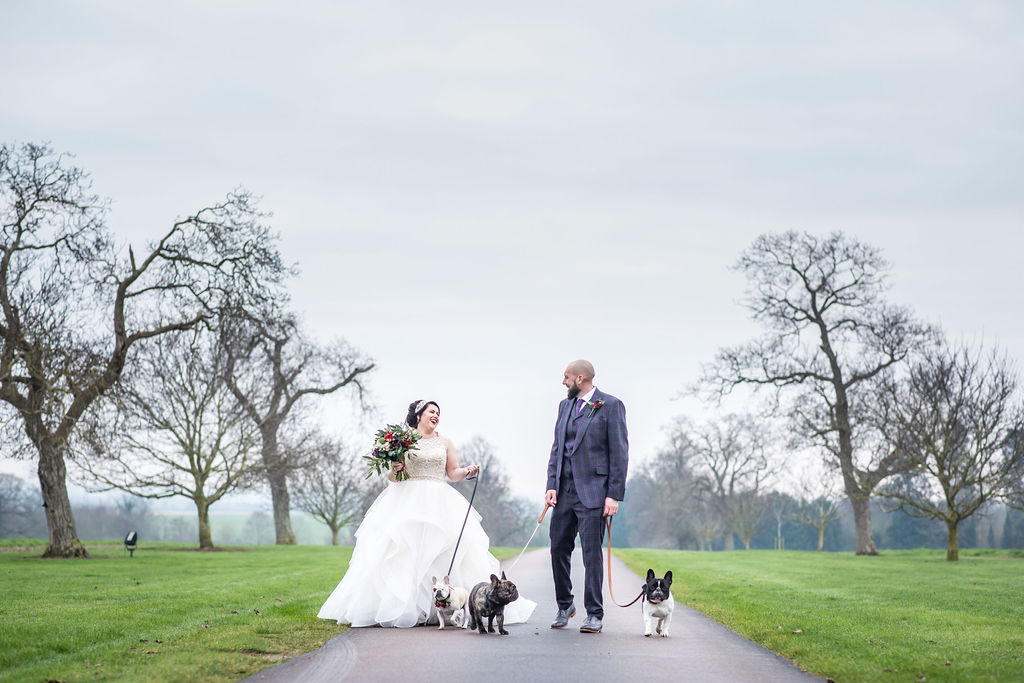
952, 542
205, 538
862, 518
859, 498
821, 538
334, 535
59, 519
277, 477
730, 542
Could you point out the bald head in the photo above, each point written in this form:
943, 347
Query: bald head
578, 378
581, 368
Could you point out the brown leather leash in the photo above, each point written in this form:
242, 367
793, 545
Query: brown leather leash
608, 524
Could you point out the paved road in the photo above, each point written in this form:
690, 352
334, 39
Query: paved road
698, 648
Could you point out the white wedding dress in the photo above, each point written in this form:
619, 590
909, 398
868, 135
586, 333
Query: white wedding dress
407, 537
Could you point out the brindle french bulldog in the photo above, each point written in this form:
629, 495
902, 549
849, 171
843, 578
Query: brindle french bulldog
489, 600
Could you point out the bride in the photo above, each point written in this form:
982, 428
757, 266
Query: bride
408, 536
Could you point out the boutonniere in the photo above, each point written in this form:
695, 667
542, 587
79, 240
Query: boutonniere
594, 405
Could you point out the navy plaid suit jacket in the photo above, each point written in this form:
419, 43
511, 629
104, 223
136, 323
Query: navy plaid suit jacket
600, 452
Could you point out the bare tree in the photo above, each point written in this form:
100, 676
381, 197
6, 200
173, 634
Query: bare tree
818, 503
663, 505
333, 487
828, 330
706, 518
819, 512
749, 510
271, 368
731, 464
180, 431
72, 306
506, 518
960, 415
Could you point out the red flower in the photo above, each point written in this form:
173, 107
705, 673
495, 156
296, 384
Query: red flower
389, 436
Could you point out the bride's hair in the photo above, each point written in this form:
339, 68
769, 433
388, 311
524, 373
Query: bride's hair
416, 409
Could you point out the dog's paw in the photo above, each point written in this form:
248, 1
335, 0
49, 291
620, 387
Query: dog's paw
503, 632
664, 634
647, 635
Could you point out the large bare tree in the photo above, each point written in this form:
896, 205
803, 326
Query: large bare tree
272, 367
828, 331
177, 429
960, 414
72, 305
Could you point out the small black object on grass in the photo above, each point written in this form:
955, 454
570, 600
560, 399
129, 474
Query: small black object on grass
130, 542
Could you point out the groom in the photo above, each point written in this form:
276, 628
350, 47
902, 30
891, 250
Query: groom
586, 481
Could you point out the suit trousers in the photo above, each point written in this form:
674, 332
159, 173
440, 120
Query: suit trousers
570, 517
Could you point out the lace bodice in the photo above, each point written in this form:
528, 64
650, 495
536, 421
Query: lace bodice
428, 460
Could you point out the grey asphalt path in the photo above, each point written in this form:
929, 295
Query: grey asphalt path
698, 649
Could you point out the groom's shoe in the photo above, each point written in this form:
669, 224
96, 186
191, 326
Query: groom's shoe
563, 617
591, 624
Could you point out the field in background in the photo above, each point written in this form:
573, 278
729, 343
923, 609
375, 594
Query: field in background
903, 616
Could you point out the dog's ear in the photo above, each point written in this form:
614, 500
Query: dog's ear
447, 581
650, 574
503, 577
668, 577
494, 580
433, 580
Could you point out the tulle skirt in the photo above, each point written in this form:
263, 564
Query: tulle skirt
406, 538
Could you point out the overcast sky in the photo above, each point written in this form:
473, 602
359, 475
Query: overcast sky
476, 195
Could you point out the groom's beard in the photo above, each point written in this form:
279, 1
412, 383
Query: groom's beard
574, 391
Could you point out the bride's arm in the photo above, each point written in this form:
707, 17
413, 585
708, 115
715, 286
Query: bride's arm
456, 473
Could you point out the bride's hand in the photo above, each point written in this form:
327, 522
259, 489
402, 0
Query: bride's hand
472, 469
399, 466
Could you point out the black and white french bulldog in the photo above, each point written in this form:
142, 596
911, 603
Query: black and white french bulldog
450, 602
657, 604
489, 600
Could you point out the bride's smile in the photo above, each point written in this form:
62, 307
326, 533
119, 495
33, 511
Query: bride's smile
428, 421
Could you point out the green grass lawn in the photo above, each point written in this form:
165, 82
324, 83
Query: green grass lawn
897, 617
168, 614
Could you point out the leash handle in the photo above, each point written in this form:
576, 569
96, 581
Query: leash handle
547, 506
608, 524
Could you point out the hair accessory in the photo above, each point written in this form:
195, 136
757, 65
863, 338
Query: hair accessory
420, 406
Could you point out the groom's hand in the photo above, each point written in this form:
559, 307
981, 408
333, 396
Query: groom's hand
611, 506
551, 497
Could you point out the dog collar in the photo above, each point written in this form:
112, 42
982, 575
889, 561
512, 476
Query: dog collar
442, 603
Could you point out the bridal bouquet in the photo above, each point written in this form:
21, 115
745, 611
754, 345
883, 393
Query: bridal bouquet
391, 445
